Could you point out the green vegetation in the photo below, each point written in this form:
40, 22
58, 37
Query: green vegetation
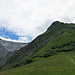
52, 53
59, 64
62, 43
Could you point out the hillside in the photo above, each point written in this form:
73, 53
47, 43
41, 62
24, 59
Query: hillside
61, 64
50, 50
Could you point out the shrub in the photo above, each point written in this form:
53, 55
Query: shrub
51, 53
28, 61
17, 65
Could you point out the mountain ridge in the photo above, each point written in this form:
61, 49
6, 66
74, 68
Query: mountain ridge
8, 48
11, 46
58, 38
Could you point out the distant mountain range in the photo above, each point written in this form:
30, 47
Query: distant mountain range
8, 48
12, 46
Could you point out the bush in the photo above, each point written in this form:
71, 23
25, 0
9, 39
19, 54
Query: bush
53, 48
28, 61
51, 53
17, 65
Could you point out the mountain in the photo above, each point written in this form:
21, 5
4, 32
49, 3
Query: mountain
9, 46
3, 50
7, 49
51, 52
12, 46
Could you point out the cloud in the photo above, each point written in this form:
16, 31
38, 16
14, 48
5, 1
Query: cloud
9, 39
22, 39
29, 18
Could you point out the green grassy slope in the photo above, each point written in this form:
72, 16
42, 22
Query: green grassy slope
61, 64
62, 43
58, 38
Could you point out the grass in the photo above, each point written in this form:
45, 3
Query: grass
60, 43
59, 64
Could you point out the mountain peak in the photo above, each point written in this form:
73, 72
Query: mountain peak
57, 22
57, 25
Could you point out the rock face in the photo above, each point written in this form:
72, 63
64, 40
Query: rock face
11, 46
8, 48
3, 50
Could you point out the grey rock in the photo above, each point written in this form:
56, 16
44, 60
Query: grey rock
12, 46
8, 48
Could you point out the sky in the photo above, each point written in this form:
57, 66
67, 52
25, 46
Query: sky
24, 20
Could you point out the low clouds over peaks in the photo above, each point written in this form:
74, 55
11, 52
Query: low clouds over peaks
29, 18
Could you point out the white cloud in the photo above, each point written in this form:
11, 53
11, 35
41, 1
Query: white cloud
9, 39
26, 39
32, 17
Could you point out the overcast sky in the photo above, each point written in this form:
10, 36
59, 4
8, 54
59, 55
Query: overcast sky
23, 20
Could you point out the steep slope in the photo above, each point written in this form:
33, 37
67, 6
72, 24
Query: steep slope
3, 50
3, 53
59, 37
7, 48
